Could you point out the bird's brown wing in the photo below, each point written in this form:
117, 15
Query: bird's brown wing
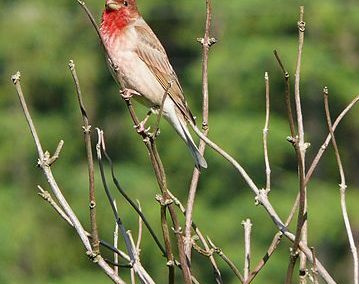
152, 53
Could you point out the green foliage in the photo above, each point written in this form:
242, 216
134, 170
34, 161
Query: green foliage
39, 37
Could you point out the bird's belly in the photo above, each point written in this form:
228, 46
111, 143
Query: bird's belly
134, 74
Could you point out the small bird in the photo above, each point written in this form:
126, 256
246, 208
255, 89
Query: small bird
142, 65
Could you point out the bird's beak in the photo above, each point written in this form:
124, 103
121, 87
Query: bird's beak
112, 5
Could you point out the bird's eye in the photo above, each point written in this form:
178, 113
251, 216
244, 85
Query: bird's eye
125, 3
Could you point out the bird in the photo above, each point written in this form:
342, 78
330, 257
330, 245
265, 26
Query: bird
142, 65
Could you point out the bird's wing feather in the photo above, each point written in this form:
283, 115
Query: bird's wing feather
152, 53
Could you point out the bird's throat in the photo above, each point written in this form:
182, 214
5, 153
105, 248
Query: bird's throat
114, 21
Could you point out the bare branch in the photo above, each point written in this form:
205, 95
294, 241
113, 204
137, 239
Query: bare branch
324, 146
343, 187
300, 147
90, 164
287, 95
140, 230
206, 43
230, 263
315, 270
115, 242
247, 224
265, 133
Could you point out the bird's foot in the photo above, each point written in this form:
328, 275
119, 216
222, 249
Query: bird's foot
127, 94
141, 128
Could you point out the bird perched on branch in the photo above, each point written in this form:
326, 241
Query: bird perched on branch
142, 66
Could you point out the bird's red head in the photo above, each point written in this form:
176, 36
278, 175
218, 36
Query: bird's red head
118, 14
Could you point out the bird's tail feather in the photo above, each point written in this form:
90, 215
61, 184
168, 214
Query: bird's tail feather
199, 159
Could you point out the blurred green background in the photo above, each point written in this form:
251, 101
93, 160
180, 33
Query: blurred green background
39, 37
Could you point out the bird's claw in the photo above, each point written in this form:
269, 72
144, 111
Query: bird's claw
127, 94
141, 128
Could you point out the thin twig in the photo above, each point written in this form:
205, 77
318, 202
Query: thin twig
47, 197
265, 133
324, 146
226, 259
247, 224
314, 269
343, 188
90, 164
133, 274
167, 240
287, 95
161, 178
115, 241
140, 230
165, 95
300, 147
206, 43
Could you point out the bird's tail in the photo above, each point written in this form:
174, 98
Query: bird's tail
186, 136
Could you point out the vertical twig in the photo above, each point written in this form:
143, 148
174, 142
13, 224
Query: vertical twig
265, 134
247, 248
140, 230
115, 242
168, 245
87, 136
300, 147
273, 246
287, 95
206, 43
314, 269
161, 178
343, 188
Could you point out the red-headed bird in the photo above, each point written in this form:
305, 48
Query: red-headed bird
143, 66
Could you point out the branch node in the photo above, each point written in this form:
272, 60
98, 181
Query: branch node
94, 257
178, 231
204, 126
170, 263
92, 204
262, 195
16, 77
292, 140
301, 26
303, 273
164, 201
86, 129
